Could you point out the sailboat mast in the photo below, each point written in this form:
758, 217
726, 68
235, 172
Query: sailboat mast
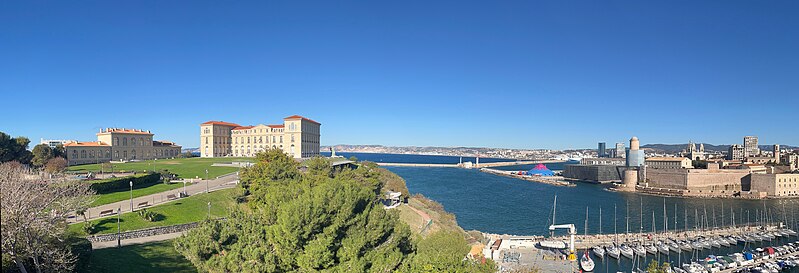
641, 216
722, 213
554, 206
586, 221
627, 219
600, 220
714, 218
675, 216
665, 218
615, 233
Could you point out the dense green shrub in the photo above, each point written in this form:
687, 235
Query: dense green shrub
121, 183
148, 215
89, 227
82, 249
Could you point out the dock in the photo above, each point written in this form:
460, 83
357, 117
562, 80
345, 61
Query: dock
530, 251
458, 165
551, 180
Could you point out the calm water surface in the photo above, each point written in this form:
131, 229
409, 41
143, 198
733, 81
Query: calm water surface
502, 205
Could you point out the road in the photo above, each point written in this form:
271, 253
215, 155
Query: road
158, 198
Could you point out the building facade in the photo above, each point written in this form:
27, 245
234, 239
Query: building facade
119, 144
776, 185
619, 151
297, 136
750, 146
601, 150
53, 143
735, 152
669, 163
635, 156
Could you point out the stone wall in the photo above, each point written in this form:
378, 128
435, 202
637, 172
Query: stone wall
142, 233
596, 173
700, 182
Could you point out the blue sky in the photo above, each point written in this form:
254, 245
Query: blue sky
517, 74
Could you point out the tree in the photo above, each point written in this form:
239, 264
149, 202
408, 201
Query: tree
14, 149
34, 213
444, 251
59, 151
654, 267
41, 154
300, 222
319, 166
317, 221
55, 165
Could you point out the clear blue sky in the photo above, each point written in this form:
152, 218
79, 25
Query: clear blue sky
518, 74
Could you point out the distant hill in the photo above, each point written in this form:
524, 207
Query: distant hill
675, 148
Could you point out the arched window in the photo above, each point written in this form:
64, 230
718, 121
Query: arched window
74, 154
107, 153
124, 141
133, 154
116, 141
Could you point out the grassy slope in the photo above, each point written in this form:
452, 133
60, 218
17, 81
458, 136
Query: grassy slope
158, 257
183, 167
187, 210
109, 198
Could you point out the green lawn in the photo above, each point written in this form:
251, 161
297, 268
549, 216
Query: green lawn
109, 198
183, 167
157, 257
187, 210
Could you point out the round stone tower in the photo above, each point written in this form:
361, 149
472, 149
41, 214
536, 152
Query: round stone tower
634, 144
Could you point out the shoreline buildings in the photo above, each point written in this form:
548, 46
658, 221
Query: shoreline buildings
757, 175
119, 144
298, 137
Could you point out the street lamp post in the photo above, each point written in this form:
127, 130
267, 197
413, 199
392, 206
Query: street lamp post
206, 180
184, 187
119, 240
131, 195
209, 210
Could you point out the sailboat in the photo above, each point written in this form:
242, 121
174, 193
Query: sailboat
586, 263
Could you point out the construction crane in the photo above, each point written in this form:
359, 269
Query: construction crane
572, 232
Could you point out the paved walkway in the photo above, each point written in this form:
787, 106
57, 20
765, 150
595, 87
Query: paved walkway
141, 240
158, 198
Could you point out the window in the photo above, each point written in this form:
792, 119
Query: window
292, 139
74, 154
116, 141
116, 154
83, 154
124, 141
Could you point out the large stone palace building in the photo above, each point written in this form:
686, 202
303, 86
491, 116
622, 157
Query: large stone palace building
119, 144
298, 137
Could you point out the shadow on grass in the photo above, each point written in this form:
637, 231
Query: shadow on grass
156, 257
106, 224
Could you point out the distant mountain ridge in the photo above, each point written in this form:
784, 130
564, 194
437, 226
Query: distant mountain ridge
676, 148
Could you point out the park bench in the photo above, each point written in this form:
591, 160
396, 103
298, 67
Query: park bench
171, 196
143, 204
106, 212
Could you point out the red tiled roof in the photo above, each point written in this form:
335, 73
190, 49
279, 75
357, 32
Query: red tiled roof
214, 122
124, 131
275, 126
86, 144
163, 143
301, 117
243, 127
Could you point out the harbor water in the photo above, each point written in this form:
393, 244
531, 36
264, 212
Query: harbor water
502, 205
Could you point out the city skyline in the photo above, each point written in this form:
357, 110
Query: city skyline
510, 75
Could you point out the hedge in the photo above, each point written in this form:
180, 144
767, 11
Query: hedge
122, 183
